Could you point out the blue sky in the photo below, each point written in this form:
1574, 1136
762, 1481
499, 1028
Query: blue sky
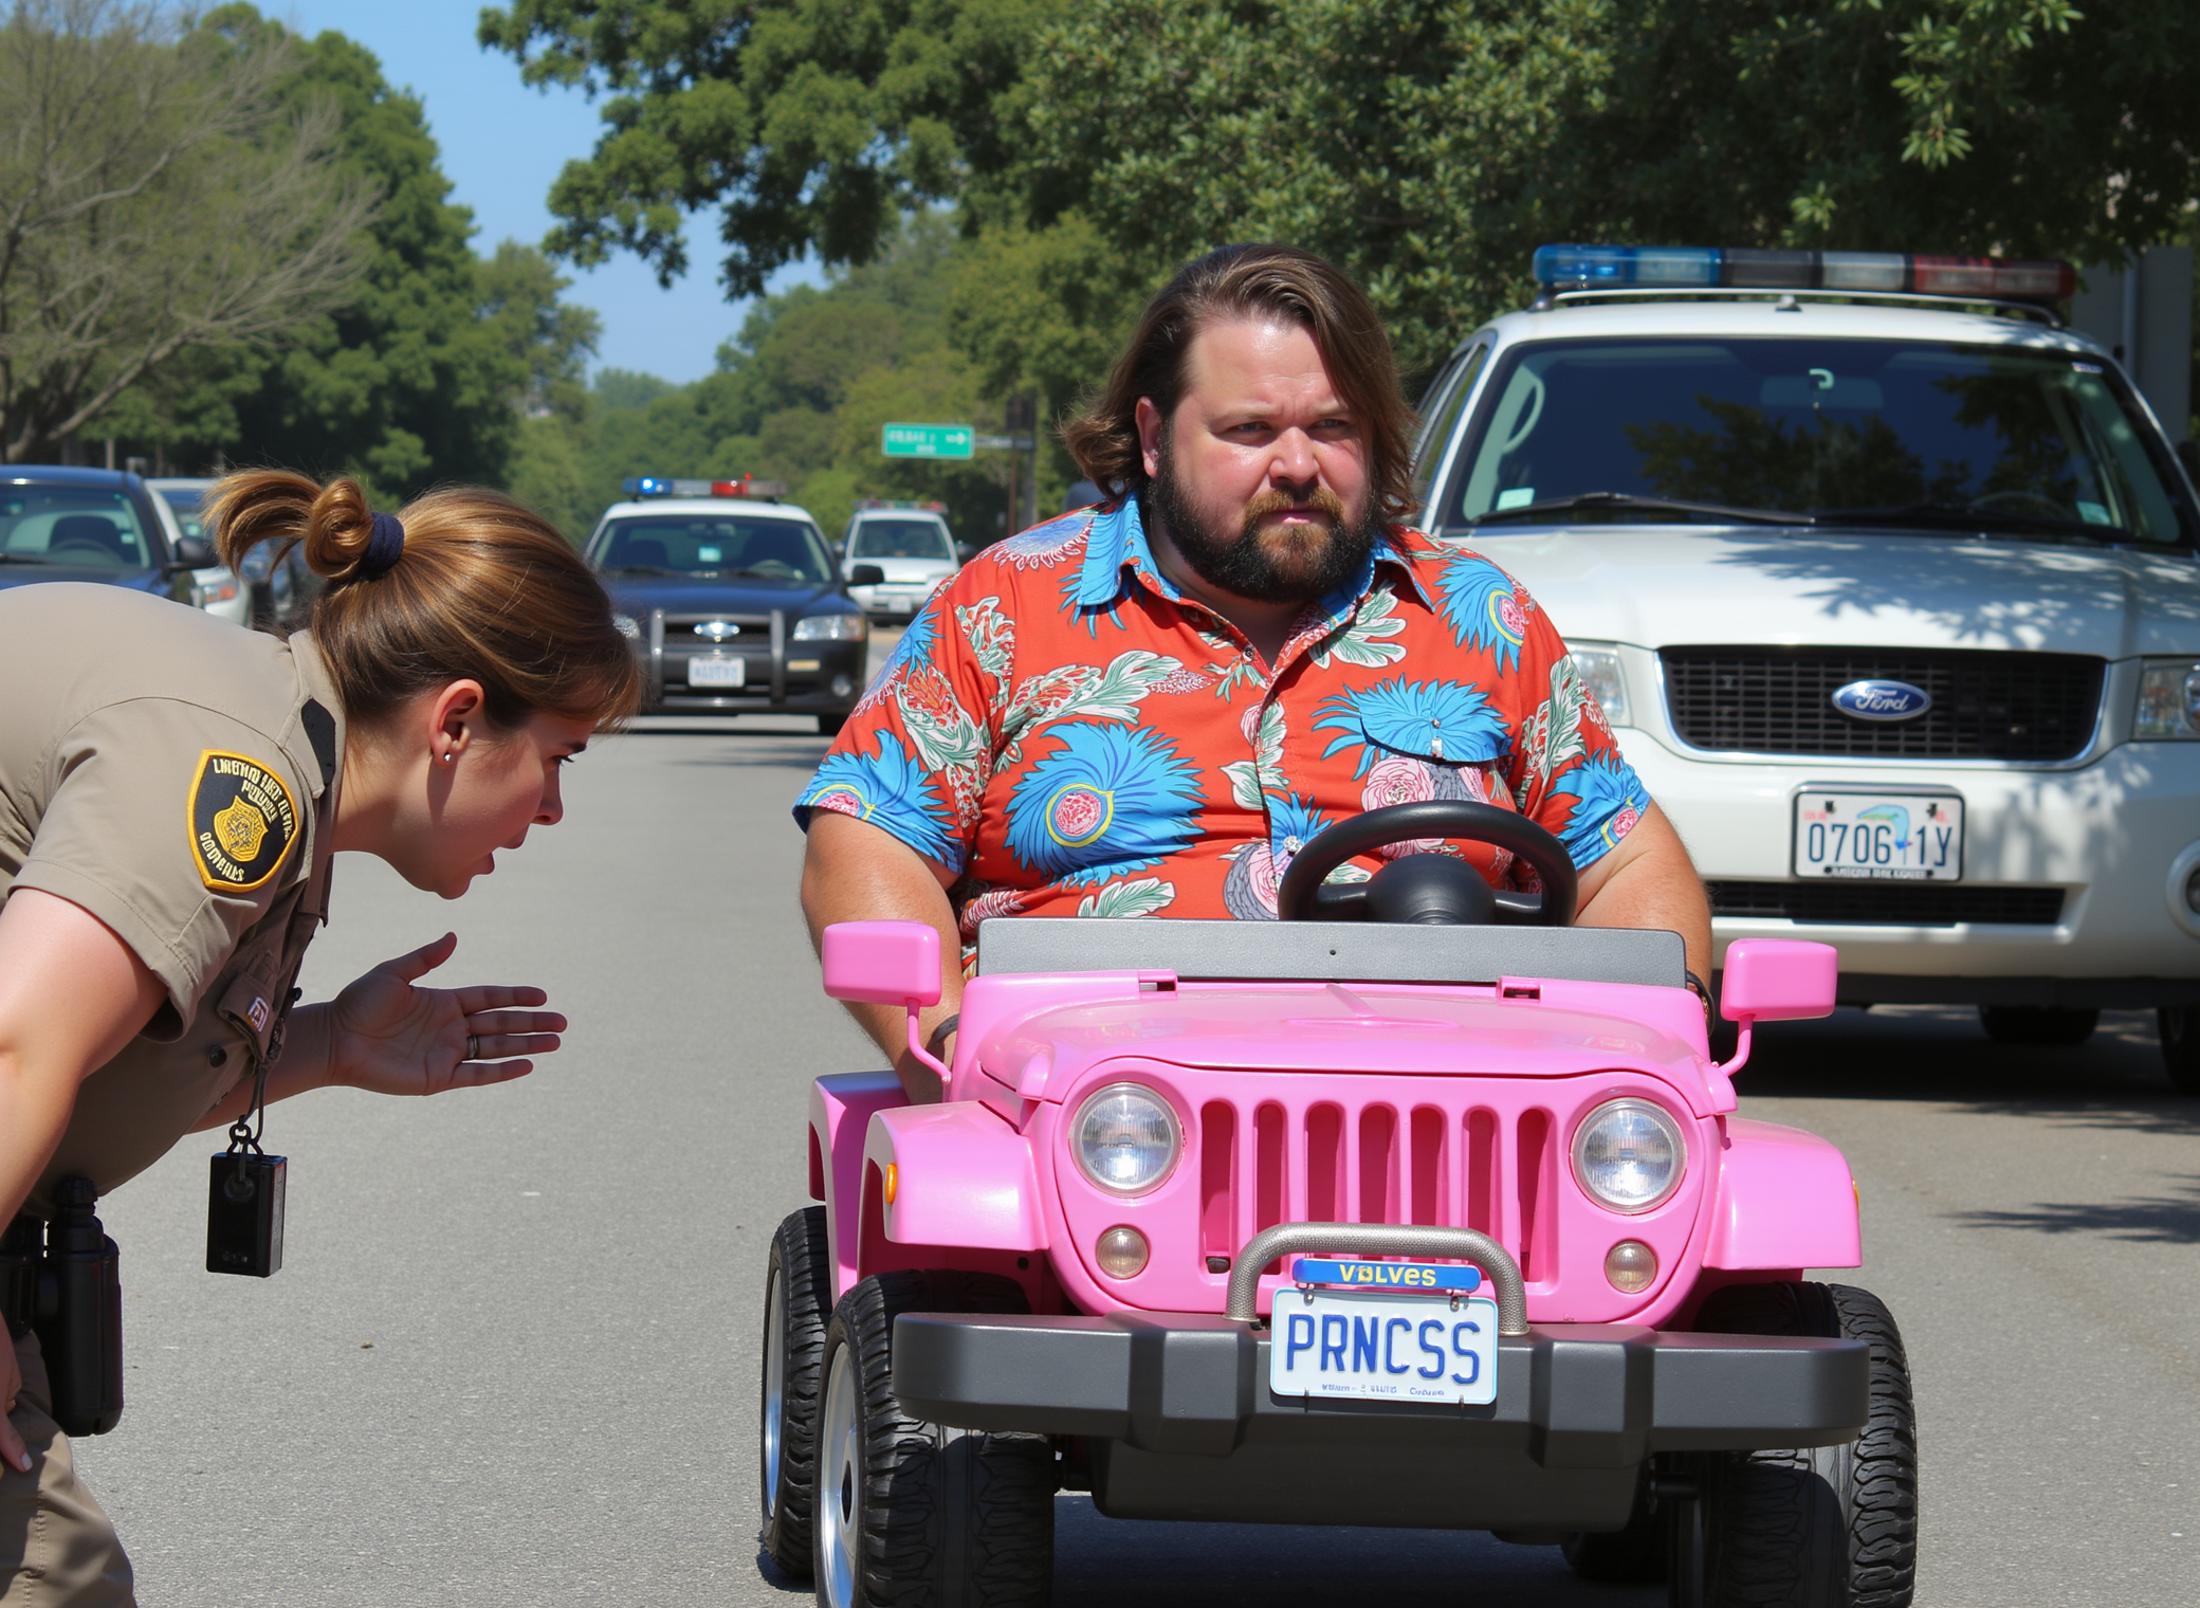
503, 145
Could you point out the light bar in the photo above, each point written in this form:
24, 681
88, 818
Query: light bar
670, 486
1575, 267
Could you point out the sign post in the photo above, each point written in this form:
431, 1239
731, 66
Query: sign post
928, 441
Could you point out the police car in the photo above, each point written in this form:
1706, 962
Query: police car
1889, 581
731, 599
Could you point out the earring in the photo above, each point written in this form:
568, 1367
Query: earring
450, 756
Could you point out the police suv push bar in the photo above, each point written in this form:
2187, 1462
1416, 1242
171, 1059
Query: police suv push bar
1379, 1239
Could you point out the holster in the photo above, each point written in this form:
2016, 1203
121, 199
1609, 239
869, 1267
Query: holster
63, 1281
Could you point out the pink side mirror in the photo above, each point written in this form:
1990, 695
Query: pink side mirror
882, 963
1777, 980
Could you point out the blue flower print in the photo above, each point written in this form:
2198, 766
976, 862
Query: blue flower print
1293, 823
1439, 719
1482, 608
914, 650
1112, 799
890, 790
1610, 799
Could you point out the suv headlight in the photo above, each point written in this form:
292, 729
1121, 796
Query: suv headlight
2169, 700
1126, 1138
831, 628
1629, 1155
1601, 674
628, 626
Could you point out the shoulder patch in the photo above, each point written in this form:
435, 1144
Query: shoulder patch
243, 821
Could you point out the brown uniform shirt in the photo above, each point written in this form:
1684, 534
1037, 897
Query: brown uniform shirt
167, 772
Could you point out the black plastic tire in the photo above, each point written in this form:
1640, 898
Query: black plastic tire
800, 1269
2179, 1026
2046, 1027
1634, 1556
1820, 1527
829, 725
942, 1519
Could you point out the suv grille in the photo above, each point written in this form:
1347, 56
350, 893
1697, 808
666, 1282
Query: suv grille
1986, 705
1860, 903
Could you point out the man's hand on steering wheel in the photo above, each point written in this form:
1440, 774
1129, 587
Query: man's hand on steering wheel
1430, 889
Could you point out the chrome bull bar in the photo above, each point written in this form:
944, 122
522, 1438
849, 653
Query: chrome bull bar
1379, 1239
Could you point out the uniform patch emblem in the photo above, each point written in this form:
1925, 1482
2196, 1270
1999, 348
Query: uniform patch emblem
242, 822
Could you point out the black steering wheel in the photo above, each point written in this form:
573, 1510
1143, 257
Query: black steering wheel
1430, 889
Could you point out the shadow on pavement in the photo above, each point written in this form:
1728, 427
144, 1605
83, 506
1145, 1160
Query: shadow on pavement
2156, 1219
1941, 1055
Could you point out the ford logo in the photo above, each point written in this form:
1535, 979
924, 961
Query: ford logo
1882, 700
718, 630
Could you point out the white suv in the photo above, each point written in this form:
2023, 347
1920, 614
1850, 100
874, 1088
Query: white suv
1894, 596
913, 550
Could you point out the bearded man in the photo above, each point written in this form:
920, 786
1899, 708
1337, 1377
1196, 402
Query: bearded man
1149, 707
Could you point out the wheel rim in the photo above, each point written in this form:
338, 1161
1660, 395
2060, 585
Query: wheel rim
775, 1387
840, 1486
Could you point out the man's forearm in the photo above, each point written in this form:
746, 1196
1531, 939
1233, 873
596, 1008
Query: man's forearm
853, 871
1652, 883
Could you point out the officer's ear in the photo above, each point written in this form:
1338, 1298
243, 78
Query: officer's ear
454, 720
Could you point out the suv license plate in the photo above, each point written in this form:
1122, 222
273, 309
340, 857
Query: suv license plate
1896, 836
1369, 1347
717, 670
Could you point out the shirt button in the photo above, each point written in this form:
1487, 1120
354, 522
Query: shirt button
217, 1056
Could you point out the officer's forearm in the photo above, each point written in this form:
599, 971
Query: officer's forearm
853, 871
34, 1113
304, 1064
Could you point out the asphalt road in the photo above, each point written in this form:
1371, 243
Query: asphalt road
511, 1356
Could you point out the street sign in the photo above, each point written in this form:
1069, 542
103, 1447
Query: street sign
927, 440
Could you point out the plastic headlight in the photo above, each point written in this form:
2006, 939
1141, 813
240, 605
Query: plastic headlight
2169, 700
1600, 673
1126, 1138
628, 626
831, 628
1629, 1155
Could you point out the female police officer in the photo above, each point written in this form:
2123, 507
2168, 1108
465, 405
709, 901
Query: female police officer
171, 792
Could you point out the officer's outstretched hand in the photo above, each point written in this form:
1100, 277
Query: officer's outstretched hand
389, 1035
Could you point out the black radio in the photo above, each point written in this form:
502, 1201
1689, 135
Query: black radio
68, 1291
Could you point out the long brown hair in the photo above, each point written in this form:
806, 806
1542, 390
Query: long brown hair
1253, 281
481, 588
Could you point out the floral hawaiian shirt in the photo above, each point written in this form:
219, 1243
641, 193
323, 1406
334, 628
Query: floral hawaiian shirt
1067, 733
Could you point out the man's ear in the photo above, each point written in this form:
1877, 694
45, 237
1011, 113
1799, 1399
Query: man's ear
1150, 425
454, 719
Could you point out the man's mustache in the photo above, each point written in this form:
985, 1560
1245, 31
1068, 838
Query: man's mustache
1319, 500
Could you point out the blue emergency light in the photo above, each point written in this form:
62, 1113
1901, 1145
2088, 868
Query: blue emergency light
1650, 268
723, 486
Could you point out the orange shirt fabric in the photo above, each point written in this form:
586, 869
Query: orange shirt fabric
1068, 734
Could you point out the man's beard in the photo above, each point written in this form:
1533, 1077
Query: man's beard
1278, 567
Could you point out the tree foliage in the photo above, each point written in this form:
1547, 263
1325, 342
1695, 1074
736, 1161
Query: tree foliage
1428, 145
159, 193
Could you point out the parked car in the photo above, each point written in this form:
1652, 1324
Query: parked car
732, 601
278, 592
909, 544
1324, 1221
1890, 582
60, 523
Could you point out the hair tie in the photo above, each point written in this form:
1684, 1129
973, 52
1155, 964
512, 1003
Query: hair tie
383, 547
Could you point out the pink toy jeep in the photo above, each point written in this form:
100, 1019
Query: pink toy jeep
1418, 1207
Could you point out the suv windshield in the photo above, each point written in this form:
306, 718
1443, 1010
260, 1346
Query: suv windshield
714, 544
84, 526
1839, 432
900, 538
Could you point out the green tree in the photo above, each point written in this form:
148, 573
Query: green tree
158, 196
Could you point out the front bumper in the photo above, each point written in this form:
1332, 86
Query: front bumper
1183, 1425
781, 676
2106, 844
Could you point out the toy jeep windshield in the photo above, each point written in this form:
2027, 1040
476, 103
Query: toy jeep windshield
1419, 1207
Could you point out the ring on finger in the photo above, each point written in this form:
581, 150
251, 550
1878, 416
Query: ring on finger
473, 1046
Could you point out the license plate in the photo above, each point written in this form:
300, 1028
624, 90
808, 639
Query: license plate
1365, 1346
1897, 836
718, 670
